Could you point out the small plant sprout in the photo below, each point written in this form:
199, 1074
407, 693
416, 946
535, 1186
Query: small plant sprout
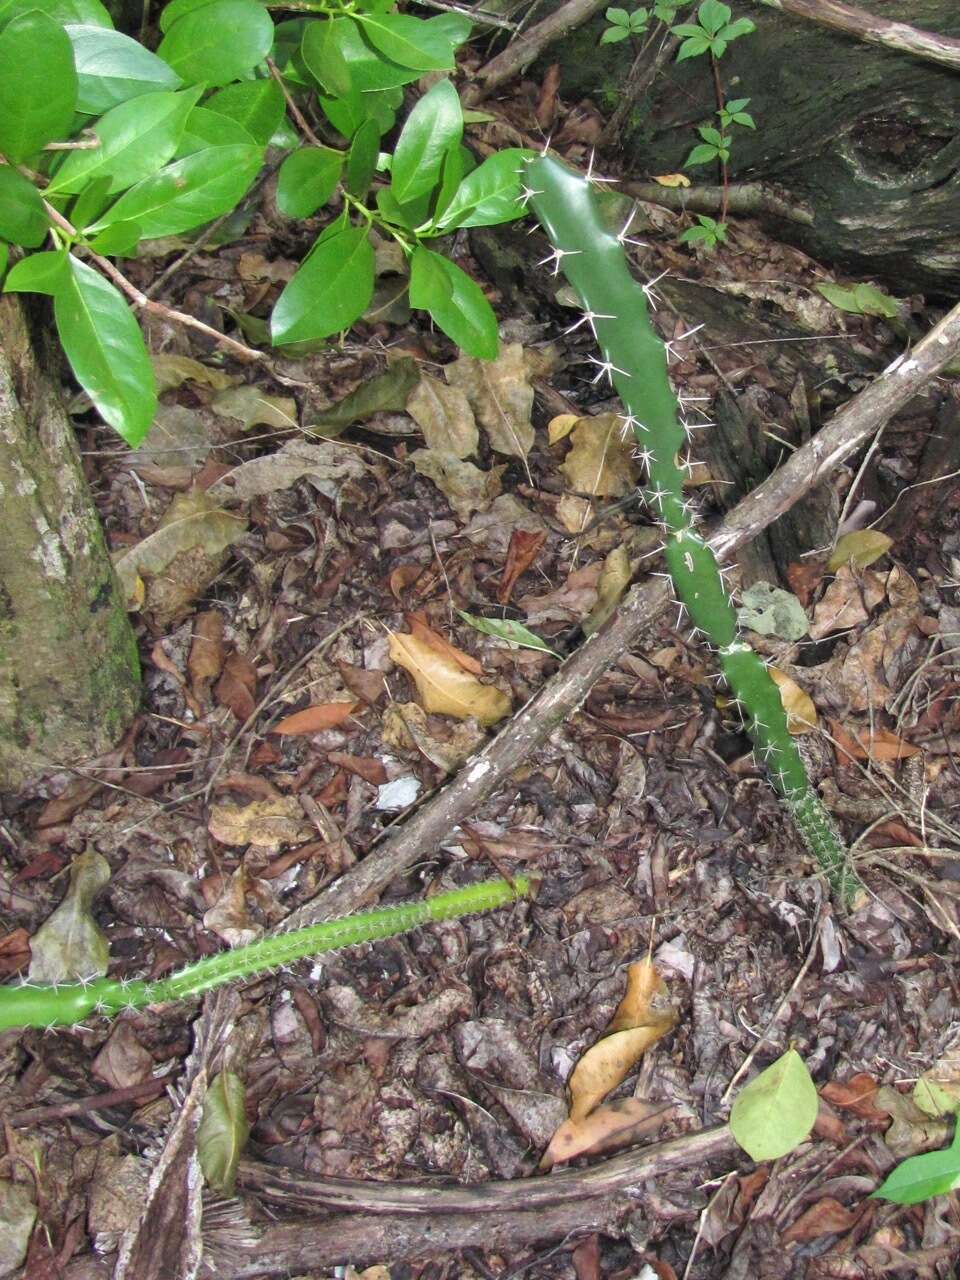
708, 233
712, 31
66, 1004
634, 358
624, 24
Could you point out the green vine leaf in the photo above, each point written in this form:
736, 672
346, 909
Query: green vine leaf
332, 288
258, 105
38, 85
408, 41
307, 179
455, 302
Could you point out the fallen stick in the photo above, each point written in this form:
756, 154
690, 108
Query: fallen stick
520, 52
854, 21
813, 463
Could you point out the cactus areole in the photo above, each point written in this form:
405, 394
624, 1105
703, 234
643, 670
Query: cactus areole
634, 359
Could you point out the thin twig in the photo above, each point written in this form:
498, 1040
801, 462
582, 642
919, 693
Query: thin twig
301, 121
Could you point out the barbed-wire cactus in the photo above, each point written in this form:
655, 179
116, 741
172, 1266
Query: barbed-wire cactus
634, 360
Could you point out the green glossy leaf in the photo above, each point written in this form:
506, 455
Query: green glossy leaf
922, 1177
742, 27
205, 129
701, 154
331, 290
223, 1131
776, 1110
362, 159
409, 41
119, 240
613, 35
369, 70
455, 302
40, 273
457, 163
322, 52
433, 127
744, 118
307, 179
219, 42
22, 219
693, 48
488, 195
38, 85
104, 345
711, 135
349, 113
112, 68
189, 192
178, 9
136, 138
507, 629
454, 27
690, 30
90, 203
258, 105
90, 12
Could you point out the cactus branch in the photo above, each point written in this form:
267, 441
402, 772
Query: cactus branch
65, 1004
634, 358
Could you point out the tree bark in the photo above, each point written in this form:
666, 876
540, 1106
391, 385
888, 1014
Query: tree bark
69, 672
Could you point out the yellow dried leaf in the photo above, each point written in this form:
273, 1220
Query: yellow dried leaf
859, 548
625, 1121
801, 713
267, 823
574, 513
444, 687
672, 180
600, 463
614, 579
501, 396
559, 428
642, 1018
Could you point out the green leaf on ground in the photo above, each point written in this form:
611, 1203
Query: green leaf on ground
507, 629
776, 1110
922, 1177
223, 1131
331, 290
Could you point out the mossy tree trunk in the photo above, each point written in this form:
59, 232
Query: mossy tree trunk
69, 673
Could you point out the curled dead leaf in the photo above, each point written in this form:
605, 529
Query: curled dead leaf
623, 1122
443, 685
801, 713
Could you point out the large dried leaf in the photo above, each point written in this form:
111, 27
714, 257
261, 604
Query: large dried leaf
643, 1017
223, 1131
613, 581
328, 466
443, 685
172, 370
69, 945
443, 414
501, 396
195, 526
859, 548
313, 719
776, 1110
405, 727
847, 601
600, 463
623, 1122
254, 408
268, 823
465, 486
801, 713
229, 917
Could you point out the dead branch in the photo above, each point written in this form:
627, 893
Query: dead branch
742, 197
520, 52
854, 21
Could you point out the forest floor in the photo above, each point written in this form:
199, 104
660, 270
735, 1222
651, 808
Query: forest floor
282, 558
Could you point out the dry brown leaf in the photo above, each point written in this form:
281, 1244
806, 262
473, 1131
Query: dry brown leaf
327, 464
267, 823
672, 180
423, 631
171, 371
911, 1130
613, 581
465, 486
600, 463
229, 917
568, 603
69, 945
206, 650
366, 767
252, 407
574, 513
847, 601
405, 727
937, 1092
870, 744
625, 1121
444, 686
322, 715
523, 550
858, 1094
236, 689
801, 713
643, 1017
874, 668
443, 414
828, 1217
500, 395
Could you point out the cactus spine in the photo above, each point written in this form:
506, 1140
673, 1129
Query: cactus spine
30, 1005
635, 361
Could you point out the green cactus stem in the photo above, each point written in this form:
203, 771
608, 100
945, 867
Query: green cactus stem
30, 1005
634, 360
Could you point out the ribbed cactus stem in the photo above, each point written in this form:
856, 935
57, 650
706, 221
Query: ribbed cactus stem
32, 1005
634, 359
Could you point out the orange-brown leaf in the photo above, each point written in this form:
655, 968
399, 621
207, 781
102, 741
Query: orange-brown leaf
873, 744
420, 628
622, 1122
322, 715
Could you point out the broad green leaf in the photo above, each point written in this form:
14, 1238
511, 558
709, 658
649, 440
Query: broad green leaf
711, 135
223, 1131
218, 42
922, 1177
362, 159
703, 153
187, 193
613, 35
690, 30
409, 41
22, 219
860, 548
112, 68
509, 630
119, 240
776, 1111
433, 127
455, 27
349, 113
331, 290
104, 345
256, 104
205, 129
90, 12
369, 70
322, 52
457, 163
692, 48
90, 203
385, 391
712, 15
136, 139
742, 27
860, 299
618, 16
455, 302
179, 9
38, 85
488, 195
40, 273
307, 179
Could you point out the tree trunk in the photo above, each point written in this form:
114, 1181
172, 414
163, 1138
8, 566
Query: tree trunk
865, 137
69, 673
